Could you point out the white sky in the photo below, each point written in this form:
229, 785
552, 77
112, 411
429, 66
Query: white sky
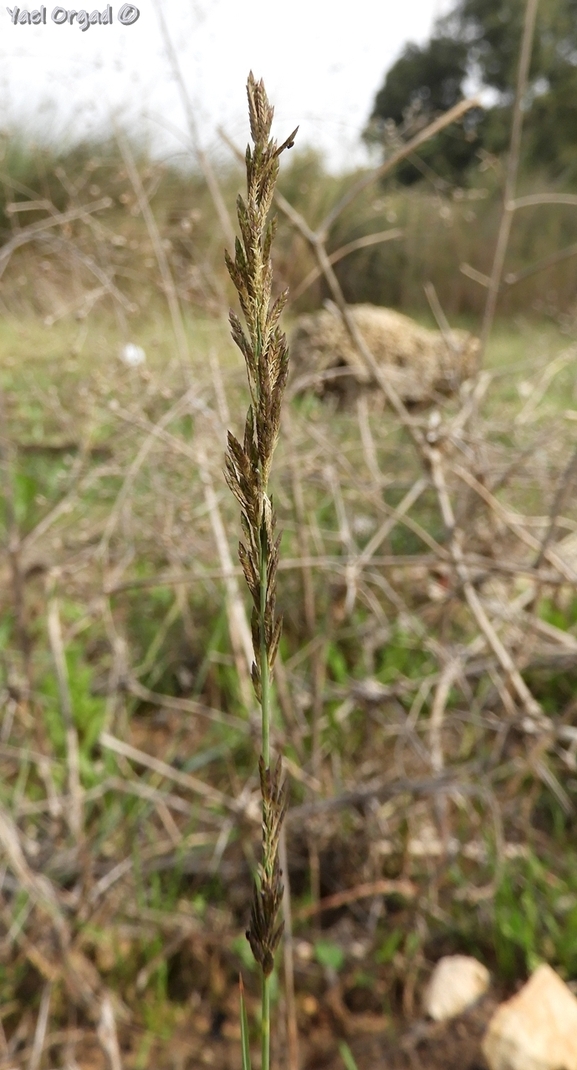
322, 64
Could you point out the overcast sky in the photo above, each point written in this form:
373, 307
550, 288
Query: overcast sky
322, 66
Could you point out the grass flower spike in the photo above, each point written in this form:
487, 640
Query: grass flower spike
248, 465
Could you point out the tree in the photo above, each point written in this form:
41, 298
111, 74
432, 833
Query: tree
480, 40
491, 30
430, 77
421, 84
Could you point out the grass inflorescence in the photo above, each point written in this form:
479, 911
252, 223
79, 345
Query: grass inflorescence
248, 464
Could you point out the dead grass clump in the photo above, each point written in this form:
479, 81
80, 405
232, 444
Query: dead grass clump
419, 363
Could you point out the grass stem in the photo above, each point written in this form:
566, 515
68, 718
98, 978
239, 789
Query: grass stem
265, 1025
265, 674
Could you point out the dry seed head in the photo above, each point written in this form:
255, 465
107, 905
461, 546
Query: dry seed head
265, 352
265, 931
248, 464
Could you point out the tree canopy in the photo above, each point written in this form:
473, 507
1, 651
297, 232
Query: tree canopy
478, 42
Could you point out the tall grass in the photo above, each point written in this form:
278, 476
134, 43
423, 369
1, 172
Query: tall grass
248, 466
442, 231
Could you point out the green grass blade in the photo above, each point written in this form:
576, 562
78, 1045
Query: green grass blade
244, 1029
347, 1056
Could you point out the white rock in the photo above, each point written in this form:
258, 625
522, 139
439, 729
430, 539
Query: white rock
457, 982
536, 1029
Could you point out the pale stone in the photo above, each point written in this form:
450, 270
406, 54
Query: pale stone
536, 1029
456, 983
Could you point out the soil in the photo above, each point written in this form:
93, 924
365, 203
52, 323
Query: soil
212, 1039
425, 1045
203, 1036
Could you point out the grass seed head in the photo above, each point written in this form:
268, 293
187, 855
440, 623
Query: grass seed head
247, 469
265, 352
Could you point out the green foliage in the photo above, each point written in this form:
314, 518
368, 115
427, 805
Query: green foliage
36, 484
144, 1048
88, 710
423, 82
492, 31
241, 948
535, 917
555, 689
402, 656
430, 77
561, 616
329, 955
33, 172
25, 490
306, 184
337, 664
389, 947
347, 1056
6, 627
244, 1031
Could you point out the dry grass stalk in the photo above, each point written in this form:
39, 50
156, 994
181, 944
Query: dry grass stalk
512, 170
31, 232
248, 466
162, 259
41, 1027
201, 156
107, 1034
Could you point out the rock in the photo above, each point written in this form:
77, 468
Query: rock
536, 1029
456, 983
419, 363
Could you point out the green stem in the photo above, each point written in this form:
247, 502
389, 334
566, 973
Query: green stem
265, 1026
264, 670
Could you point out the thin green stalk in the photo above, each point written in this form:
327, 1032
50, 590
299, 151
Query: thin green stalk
266, 716
244, 1031
265, 1024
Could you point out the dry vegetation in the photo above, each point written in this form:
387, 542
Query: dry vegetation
425, 680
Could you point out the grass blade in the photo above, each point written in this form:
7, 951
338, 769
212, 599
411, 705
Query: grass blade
244, 1029
347, 1056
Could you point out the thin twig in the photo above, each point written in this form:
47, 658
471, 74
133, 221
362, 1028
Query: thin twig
41, 1027
30, 233
198, 787
203, 159
107, 1034
405, 888
161, 257
511, 175
345, 250
447, 119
